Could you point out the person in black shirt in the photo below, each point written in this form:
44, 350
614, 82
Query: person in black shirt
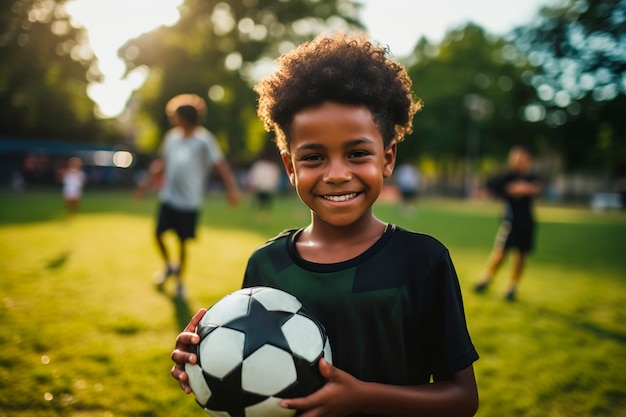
517, 188
389, 298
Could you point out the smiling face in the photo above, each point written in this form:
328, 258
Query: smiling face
337, 162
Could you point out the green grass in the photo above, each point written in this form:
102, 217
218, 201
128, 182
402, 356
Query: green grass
85, 334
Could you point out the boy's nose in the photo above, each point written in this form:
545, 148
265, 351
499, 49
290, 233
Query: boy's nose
337, 172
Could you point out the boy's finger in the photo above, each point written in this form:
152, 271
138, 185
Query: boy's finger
182, 378
182, 357
195, 320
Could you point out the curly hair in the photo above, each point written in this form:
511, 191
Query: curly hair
186, 100
343, 68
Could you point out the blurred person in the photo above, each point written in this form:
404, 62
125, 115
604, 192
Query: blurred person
517, 188
263, 180
73, 179
407, 179
18, 184
189, 152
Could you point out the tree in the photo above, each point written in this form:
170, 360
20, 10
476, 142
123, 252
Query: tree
43, 80
217, 50
472, 92
579, 50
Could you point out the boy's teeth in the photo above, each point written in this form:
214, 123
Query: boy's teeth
340, 197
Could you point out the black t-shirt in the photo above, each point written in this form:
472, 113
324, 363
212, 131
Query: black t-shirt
517, 210
393, 314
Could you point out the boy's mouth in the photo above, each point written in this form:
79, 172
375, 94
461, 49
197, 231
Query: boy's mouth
338, 198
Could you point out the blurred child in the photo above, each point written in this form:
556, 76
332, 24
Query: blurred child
389, 298
517, 188
189, 152
263, 180
73, 179
408, 178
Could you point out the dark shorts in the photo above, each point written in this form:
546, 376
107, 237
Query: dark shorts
408, 195
264, 199
514, 235
183, 222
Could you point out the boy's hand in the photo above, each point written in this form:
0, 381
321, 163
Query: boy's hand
522, 188
338, 398
182, 353
233, 197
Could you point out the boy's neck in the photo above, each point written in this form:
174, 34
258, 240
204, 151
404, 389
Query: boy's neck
188, 130
324, 243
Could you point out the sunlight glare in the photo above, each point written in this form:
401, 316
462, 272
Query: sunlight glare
108, 95
110, 24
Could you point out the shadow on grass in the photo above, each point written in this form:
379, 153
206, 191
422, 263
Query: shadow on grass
182, 311
586, 326
58, 261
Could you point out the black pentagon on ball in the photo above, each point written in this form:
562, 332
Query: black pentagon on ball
260, 318
256, 360
228, 395
309, 379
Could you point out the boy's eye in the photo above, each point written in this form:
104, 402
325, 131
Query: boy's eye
311, 158
359, 154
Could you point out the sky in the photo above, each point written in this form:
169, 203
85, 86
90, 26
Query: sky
396, 23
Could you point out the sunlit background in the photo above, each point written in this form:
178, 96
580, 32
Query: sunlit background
548, 74
398, 23
109, 24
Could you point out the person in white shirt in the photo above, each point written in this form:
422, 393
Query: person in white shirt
74, 179
188, 153
264, 180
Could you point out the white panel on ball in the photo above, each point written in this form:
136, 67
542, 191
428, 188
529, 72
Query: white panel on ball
197, 383
273, 299
223, 350
228, 308
217, 413
261, 375
304, 337
269, 408
328, 353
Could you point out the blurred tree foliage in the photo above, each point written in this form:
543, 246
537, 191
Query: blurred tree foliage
46, 66
579, 50
218, 50
482, 93
472, 92
557, 84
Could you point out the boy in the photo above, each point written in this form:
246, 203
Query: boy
389, 298
189, 152
74, 179
517, 188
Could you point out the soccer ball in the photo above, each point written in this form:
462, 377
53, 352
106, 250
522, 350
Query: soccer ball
257, 346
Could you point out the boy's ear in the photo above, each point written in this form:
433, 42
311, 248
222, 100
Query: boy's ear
390, 159
288, 167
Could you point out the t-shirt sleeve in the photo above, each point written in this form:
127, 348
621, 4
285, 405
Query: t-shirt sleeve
497, 185
454, 348
162, 150
214, 152
250, 278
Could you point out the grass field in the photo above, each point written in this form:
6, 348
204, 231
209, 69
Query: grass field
84, 333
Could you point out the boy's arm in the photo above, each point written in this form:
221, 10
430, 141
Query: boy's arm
523, 188
457, 396
232, 190
156, 169
344, 394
